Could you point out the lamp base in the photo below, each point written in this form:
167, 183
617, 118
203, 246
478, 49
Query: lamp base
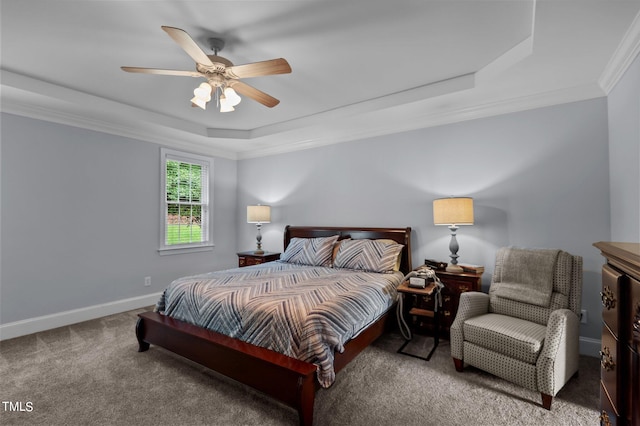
258, 251
454, 268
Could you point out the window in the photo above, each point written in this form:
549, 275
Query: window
185, 201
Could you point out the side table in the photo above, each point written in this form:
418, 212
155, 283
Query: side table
420, 302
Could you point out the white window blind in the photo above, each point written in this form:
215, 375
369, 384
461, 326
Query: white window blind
185, 201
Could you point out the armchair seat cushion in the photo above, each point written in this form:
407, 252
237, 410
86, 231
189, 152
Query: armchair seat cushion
513, 337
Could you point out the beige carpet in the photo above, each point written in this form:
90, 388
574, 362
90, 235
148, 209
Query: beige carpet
92, 374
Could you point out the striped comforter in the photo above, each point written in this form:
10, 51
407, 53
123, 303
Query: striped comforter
305, 312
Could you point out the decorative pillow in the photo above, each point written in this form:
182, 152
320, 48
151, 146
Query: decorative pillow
310, 251
336, 248
368, 255
396, 267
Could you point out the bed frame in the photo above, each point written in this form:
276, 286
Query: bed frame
286, 379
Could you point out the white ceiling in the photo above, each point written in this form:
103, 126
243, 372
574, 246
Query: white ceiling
360, 68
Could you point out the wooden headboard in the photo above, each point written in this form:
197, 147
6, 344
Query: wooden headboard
400, 235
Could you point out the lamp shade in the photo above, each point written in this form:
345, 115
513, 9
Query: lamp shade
258, 214
453, 211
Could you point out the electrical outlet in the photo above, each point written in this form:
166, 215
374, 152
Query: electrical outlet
147, 281
583, 316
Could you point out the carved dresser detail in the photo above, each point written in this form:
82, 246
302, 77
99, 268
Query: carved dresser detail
619, 354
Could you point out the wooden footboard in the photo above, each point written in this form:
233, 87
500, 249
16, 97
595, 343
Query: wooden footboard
284, 378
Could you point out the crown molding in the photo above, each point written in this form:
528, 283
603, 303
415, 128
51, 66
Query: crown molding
314, 135
164, 137
407, 120
394, 113
622, 58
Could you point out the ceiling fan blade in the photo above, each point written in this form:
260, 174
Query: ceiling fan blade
253, 93
257, 69
188, 45
162, 72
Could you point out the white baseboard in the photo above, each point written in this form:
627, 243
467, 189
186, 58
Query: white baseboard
590, 347
61, 319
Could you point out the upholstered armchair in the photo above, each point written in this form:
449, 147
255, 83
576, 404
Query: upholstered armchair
526, 329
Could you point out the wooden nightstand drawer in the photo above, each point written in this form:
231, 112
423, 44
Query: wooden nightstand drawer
248, 258
454, 286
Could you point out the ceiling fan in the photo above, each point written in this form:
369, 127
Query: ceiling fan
223, 78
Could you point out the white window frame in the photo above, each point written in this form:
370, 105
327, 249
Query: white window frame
206, 197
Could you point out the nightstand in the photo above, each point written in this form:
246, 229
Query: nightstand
247, 258
417, 305
454, 285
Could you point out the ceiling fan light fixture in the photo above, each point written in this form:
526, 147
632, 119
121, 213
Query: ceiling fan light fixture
202, 95
199, 102
225, 105
203, 92
232, 97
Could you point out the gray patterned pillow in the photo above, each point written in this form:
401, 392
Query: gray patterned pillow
368, 255
310, 251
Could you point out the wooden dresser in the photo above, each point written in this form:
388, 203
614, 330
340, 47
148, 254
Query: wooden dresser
619, 354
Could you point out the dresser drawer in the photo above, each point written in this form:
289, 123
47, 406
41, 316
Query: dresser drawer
634, 333
609, 365
608, 413
610, 297
635, 388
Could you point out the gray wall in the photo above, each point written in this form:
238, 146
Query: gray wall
80, 219
624, 155
539, 178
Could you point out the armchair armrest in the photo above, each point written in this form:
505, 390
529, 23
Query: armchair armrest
560, 354
472, 304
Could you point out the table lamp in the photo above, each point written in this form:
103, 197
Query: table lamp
453, 212
259, 214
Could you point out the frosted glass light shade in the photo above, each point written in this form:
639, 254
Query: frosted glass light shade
225, 106
199, 102
232, 96
202, 95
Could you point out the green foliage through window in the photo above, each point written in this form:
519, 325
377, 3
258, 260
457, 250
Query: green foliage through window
184, 202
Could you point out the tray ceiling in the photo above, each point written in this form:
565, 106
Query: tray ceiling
360, 68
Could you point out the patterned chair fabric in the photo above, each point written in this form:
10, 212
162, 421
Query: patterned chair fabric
533, 346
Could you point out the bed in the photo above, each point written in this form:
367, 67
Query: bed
290, 375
